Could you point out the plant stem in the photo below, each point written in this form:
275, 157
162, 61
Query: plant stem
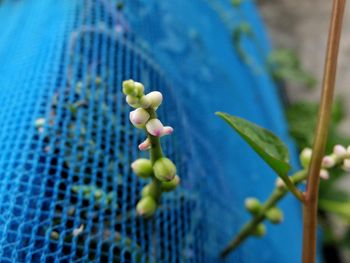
248, 228
311, 195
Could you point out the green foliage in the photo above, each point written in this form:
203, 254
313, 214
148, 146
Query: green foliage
267, 145
284, 65
302, 118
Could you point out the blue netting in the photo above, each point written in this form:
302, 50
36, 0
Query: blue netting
66, 190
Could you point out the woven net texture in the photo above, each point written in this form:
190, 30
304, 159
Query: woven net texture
67, 193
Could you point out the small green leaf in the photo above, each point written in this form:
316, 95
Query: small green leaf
269, 147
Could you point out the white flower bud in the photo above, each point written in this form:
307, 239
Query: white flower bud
133, 101
139, 89
324, 174
139, 117
280, 183
39, 123
328, 161
305, 157
155, 127
145, 145
339, 151
346, 165
144, 102
155, 98
167, 130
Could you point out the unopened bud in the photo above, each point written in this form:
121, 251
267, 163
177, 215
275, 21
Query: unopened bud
328, 161
260, 230
144, 102
146, 207
139, 88
164, 169
129, 88
142, 167
155, 127
39, 123
155, 98
132, 101
145, 145
305, 157
170, 186
274, 215
139, 117
252, 205
280, 183
346, 165
324, 174
152, 189
340, 151
167, 130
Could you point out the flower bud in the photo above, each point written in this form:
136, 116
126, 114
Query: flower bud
129, 88
260, 230
170, 186
167, 130
139, 117
164, 169
274, 215
328, 161
324, 174
340, 151
144, 102
146, 207
145, 145
132, 101
142, 167
346, 165
155, 98
280, 183
152, 190
39, 123
305, 157
155, 127
252, 205
139, 89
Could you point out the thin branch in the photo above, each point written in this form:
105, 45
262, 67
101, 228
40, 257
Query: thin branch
311, 196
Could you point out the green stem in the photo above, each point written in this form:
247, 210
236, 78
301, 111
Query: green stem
248, 228
311, 195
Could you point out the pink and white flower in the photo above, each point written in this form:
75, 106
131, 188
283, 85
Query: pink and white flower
139, 117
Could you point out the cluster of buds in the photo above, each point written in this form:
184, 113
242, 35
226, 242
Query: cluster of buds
162, 170
254, 207
339, 158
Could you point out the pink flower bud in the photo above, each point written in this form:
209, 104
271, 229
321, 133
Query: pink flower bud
167, 130
145, 145
155, 98
155, 127
339, 151
328, 161
324, 174
139, 117
346, 165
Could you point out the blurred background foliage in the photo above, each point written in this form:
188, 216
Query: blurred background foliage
285, 67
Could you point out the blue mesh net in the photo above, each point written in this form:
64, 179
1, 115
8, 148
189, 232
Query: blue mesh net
67, 193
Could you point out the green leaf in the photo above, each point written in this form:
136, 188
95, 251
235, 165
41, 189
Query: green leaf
267, 145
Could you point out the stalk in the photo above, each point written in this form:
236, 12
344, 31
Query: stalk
328, 86
276, 195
